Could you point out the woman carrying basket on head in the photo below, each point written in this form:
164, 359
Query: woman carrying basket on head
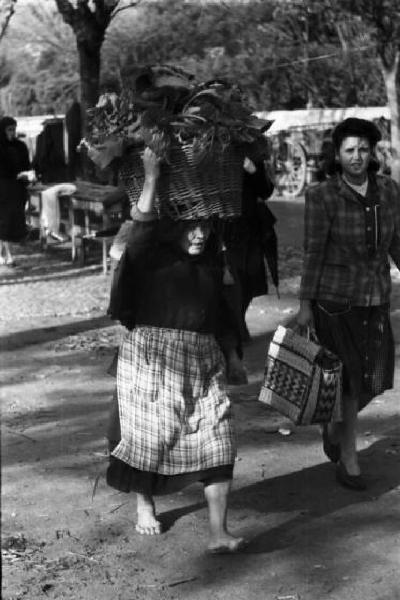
352, 226
175, 416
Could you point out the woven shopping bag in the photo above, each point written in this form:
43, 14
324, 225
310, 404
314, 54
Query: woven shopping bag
302, 379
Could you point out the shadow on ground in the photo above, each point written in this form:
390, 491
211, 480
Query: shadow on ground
317, 520
13, 341
33, 263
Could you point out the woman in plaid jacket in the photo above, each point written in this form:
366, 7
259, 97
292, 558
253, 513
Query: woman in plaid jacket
175, 416
352, 226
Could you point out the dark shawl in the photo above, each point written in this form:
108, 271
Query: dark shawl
14, 158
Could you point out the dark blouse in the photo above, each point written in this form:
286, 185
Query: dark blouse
172, 289
14, 158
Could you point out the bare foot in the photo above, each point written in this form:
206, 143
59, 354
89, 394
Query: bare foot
2, 260
147, 524
226, 544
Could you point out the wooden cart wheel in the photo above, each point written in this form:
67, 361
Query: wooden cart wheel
291, 169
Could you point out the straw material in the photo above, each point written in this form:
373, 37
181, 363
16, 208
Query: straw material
191, 187
302, 379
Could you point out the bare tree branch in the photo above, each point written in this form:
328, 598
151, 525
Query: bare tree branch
130, 5
67, 11
9, 11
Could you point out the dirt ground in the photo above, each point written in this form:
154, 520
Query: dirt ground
66, 535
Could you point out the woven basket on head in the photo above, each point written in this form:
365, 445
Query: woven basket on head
190, 187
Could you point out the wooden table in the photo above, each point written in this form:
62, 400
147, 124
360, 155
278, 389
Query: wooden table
81, 215
87, 217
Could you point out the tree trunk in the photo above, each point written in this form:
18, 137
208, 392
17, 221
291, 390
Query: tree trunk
89, 68
393, 96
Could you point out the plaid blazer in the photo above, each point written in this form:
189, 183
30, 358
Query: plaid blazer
347, 241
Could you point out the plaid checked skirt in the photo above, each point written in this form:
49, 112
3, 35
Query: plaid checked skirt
361, 336
175, 415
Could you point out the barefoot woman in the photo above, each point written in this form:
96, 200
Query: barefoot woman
352, 226
175, 416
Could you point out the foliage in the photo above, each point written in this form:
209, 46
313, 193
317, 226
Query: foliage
40, 53
282, 54
7, 10
162, 105
252, 44
380, 22
383, 19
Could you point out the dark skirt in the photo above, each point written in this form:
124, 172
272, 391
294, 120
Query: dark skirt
363, 340
125, 478
13, 196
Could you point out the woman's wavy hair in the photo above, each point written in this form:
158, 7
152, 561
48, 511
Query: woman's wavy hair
348, 128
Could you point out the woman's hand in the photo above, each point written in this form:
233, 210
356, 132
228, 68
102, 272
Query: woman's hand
27, 176
151, 164
304, 319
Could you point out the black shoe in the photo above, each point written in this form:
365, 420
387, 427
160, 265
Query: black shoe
353, 482
331, 450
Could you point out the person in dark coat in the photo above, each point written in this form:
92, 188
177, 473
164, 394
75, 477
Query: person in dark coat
49, 161
248, 239
14, 161
73, 123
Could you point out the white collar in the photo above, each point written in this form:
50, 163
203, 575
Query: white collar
360, 189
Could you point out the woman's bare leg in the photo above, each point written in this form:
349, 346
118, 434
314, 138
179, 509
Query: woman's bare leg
147, 523
345, 434
220, 539
2, 253
236, 373
348, 436
8, 257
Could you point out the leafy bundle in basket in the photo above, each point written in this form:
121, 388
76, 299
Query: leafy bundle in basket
201, 131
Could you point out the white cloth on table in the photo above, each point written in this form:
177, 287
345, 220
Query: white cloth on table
50, 213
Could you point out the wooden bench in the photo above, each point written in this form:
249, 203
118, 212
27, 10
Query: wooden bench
82, 218
88, 219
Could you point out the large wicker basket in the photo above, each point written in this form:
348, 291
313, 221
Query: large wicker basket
190, 187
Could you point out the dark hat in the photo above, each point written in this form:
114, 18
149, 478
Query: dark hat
4, 123
355, 127
7, 122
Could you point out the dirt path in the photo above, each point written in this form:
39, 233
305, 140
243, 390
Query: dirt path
67, 536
